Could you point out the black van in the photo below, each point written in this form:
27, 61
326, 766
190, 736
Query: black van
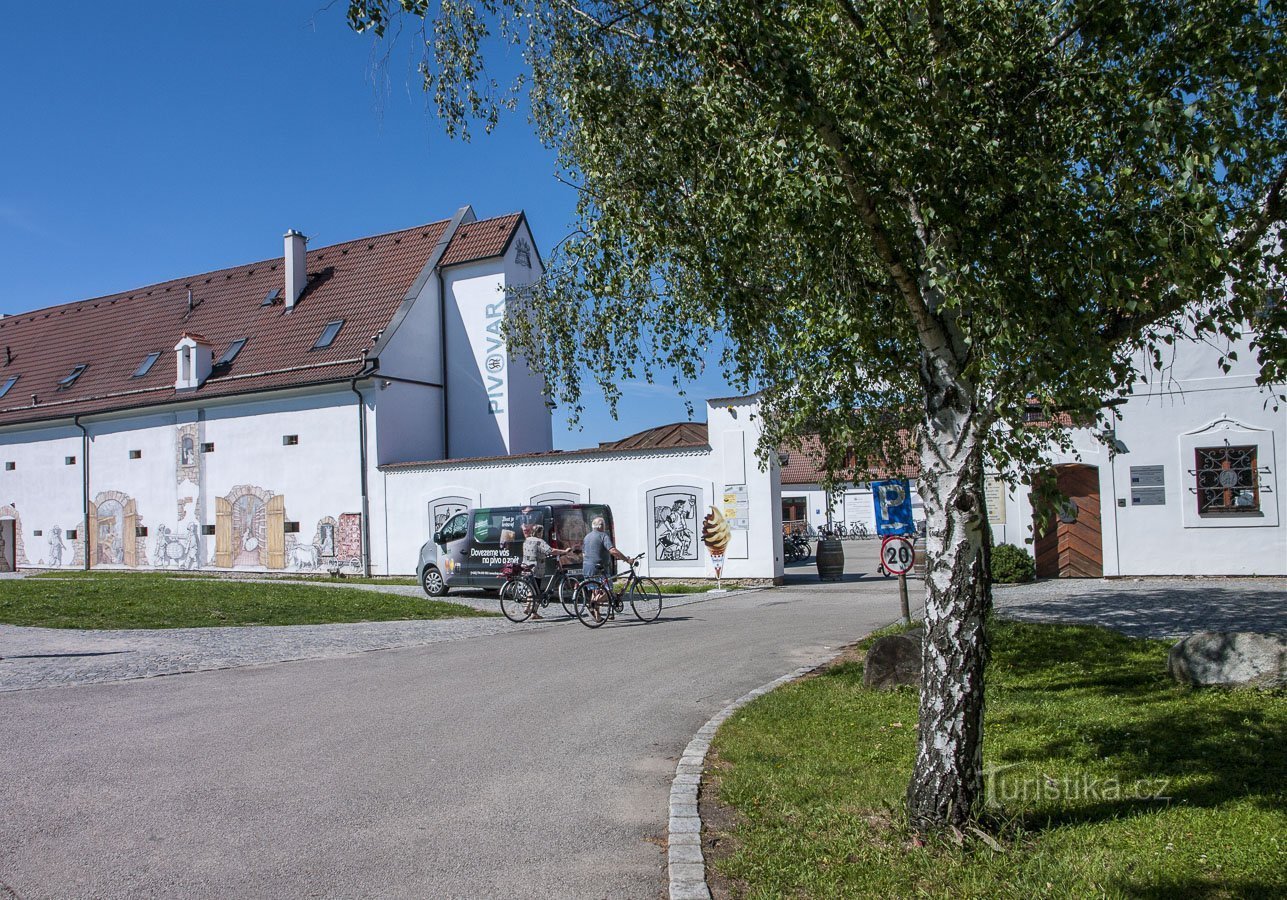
470, 547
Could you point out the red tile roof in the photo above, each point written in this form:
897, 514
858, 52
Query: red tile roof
362, 282
804, 466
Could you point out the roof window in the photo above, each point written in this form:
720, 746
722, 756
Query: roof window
271, 297
231, 353
146, 365
70, 379
328, 334
8, 383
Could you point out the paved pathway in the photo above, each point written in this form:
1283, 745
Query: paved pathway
53, 657
534, 761
1152, 607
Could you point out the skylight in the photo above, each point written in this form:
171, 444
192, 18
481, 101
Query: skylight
328, 334
146, 365
9, 382
231, 353
70, 379
271, 297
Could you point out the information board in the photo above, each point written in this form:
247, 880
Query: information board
737, 507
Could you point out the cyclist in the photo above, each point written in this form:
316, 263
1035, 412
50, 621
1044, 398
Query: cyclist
535, 552
597, 555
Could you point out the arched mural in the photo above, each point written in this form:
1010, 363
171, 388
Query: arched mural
113, 524
250, 529
16, 553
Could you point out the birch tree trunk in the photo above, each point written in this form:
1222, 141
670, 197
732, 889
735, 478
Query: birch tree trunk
947, 782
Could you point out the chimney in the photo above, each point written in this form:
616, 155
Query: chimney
193, 361
296, 276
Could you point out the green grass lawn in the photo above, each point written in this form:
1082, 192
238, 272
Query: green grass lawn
1107, 779
159, 600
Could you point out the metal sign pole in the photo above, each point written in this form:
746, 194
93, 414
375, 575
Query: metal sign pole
902, 601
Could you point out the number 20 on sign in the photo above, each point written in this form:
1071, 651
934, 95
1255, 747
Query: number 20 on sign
897, 554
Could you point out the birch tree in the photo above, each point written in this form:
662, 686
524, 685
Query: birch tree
925, 212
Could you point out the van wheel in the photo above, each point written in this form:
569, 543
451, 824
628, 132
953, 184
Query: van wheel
432, 581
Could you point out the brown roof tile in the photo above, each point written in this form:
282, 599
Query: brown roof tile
362, 282
677, 434
804, 465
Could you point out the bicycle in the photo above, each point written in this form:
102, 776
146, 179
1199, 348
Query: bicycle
522, 593
643, 592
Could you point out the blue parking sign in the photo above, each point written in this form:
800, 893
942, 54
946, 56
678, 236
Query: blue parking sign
893, 502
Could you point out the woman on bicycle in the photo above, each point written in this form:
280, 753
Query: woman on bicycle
535, 552
597, 555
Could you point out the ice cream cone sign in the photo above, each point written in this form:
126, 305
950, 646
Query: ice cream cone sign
715, 536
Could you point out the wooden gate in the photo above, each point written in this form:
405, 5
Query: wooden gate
1072, 547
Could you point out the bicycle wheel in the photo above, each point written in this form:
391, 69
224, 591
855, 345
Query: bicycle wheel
516, 600
567, 594
592, 614
645, 599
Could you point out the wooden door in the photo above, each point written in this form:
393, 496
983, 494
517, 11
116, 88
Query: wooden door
223, 533
1072, 547
277, 532
129, 534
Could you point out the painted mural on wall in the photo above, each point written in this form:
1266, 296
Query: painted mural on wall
6, 545
673, 524
18, 551
250, 524
443, 508
56, 547
114, 523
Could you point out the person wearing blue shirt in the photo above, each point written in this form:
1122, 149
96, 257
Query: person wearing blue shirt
597, 554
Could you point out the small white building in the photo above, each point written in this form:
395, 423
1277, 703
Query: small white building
1188, 482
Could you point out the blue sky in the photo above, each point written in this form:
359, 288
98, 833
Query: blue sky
147, 141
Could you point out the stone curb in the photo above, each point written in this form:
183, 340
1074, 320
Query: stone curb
686, 862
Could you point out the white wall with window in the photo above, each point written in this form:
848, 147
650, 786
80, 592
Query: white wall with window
1193, 484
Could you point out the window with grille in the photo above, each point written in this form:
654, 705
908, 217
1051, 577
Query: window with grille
1228, 480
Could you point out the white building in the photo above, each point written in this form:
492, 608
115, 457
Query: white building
1191, 487
319, 410
238, 418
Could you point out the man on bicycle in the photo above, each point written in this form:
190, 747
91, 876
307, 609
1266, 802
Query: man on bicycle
597, 555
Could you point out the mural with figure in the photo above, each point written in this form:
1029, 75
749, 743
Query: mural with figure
56, 547
179, 549
250, 524
674, 521
114, 525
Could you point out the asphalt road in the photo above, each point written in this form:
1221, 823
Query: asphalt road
531, 763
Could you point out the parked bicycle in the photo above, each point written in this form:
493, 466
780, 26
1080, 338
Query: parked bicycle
523, 592
597, 600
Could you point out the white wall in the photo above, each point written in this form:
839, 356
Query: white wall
42, 492
318, 476
530, 427
624, 481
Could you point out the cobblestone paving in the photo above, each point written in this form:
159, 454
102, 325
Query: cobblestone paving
53, 657
1151, 607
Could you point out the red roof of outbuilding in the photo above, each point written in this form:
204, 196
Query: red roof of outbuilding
362, 282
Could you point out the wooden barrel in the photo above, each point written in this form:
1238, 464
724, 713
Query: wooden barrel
831, 559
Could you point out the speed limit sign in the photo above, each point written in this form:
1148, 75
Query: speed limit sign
897, 554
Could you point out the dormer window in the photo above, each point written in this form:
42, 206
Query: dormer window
231, 353
327, 337
8, 383
69, 379
146, 365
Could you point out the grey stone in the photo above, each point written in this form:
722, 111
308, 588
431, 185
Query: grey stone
894, 660
1231, 658
689, 890
685, 853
